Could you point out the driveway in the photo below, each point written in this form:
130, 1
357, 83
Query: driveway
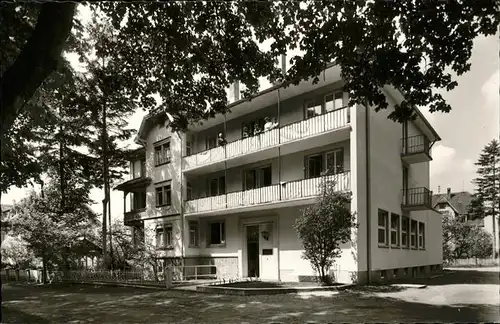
464, 296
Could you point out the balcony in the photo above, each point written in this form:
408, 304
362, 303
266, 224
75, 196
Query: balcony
415, 149
287, 193
133, 216
284, 136
416, 199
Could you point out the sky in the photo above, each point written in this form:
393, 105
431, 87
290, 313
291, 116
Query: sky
473, 122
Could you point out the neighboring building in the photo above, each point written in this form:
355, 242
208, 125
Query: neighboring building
233, 203
455, 204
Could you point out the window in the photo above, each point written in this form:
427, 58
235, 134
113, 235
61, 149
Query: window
143, 167
413, 234
164, 196
334, 101
383, 222
139, 200
441, 205
162, 153
421, 235
258, 178
164, 237
253, 127
189, 191
217, 186
394, 229
217, 234
405, 226
331, 162
189, 143
335, 162
314, 166
160, 237
312, 109
193, 234
168, 235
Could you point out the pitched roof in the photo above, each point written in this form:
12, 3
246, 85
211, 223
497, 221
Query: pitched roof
459, 201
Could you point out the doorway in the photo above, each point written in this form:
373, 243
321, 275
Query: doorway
253, 250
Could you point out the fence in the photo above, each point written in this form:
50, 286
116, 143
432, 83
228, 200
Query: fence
473, 262
170, 276
24, 275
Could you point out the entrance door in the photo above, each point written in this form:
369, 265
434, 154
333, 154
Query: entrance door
268, 264
253, 251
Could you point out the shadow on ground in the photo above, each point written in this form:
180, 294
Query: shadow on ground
104, 304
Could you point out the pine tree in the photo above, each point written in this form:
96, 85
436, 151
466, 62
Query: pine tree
486, 200
103, 94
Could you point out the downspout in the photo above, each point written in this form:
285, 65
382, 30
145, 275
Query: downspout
225, 159
279, 142
368, 195
183, 247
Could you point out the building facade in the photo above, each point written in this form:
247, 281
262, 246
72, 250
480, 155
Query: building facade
227, 192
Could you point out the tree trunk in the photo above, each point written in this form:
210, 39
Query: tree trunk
110, 229
37, 60
61, 160
105, 179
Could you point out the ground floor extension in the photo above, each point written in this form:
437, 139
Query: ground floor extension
264, 244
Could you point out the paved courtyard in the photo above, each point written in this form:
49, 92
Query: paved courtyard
464, 296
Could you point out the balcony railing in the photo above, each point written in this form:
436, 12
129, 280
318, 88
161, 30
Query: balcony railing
288, 133
134, 215
416, 198
286, 191
415, 144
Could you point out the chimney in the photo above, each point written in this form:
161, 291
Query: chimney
283, 63
448, 192
236, 90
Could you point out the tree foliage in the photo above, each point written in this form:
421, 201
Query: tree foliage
49, 232
486, 199
323, 227
464, 240
190, 52
487, 195
16, 253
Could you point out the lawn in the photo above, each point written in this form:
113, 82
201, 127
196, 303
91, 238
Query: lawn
445, 300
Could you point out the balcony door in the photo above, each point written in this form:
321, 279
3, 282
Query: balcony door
217, 186
314, 166
405, 184
258, 178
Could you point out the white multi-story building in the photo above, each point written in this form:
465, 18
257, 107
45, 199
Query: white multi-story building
233, 203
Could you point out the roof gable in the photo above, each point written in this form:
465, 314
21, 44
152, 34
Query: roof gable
459, 201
